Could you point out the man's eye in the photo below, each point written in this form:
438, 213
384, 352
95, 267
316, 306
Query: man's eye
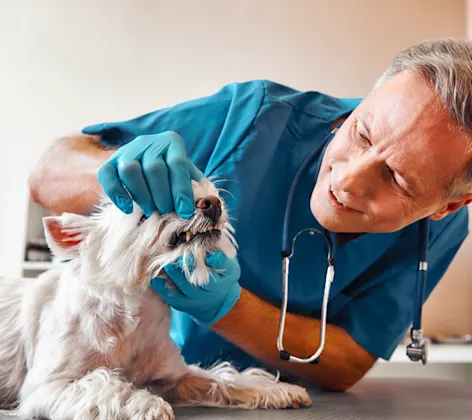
394, 179
364, 138
397, 184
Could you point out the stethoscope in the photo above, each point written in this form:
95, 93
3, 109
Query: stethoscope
417, 349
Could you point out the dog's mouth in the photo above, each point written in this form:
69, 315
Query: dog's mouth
188, 236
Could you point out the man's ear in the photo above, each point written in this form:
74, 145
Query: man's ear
65, 233
451, 207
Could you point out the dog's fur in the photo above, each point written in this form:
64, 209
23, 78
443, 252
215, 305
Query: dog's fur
90, 339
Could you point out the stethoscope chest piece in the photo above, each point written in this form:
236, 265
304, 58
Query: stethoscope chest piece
417, 350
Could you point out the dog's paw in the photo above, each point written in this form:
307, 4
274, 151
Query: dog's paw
285, 395
142, 405
162, 412
298, 398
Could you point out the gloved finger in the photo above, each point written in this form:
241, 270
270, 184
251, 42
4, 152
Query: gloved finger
132, 177
178, 165
187, 260
195, 173
177, 299
217, 284
220, 261
224, 272
186, 265
157, 178
180, 280
115, 133
94, 129
173, 297
108, 178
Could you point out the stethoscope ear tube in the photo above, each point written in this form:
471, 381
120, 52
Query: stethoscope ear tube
417, 350
423, 240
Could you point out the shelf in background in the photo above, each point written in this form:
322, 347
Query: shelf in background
437, 353
38, 265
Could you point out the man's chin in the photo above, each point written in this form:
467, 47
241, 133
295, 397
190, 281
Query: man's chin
332, 222
335, 223
327, 221
328, 218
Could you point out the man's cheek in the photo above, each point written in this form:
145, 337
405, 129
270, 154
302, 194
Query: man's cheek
387, 211
339, 152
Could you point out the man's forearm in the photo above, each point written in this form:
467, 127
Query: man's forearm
64, 180
252, 325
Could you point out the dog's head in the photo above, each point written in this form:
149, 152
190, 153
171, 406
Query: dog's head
127, 250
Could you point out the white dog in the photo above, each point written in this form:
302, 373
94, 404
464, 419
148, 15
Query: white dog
90, 339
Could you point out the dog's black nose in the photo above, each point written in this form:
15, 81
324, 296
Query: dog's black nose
211, 207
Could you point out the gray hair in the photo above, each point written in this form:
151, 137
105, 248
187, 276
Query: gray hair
446, 64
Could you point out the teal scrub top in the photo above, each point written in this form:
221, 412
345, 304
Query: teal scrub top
254, 136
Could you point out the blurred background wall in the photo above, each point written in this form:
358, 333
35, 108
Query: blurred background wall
66, 64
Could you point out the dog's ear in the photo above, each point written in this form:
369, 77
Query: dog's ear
65, 233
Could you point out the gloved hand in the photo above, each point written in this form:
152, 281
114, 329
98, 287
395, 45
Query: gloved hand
156, 171
122, 132
207, 304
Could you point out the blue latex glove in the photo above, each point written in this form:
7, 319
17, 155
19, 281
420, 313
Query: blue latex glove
207, 304
122, 132
156, 171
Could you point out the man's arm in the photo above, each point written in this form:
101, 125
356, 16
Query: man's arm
65, 178
252, 325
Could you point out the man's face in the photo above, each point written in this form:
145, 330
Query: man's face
390, 161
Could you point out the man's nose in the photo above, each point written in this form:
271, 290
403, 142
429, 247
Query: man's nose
211, 207
358, 177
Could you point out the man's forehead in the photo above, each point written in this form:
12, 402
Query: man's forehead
426, 146
405, 109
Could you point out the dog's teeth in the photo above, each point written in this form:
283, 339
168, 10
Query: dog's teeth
188, 235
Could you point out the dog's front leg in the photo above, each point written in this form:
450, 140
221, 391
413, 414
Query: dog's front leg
100, 395
224, 386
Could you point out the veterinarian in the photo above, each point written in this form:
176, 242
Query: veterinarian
401, 154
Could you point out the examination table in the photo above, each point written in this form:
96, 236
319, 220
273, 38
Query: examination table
370, 399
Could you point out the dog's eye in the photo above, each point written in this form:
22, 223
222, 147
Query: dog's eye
141, 221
